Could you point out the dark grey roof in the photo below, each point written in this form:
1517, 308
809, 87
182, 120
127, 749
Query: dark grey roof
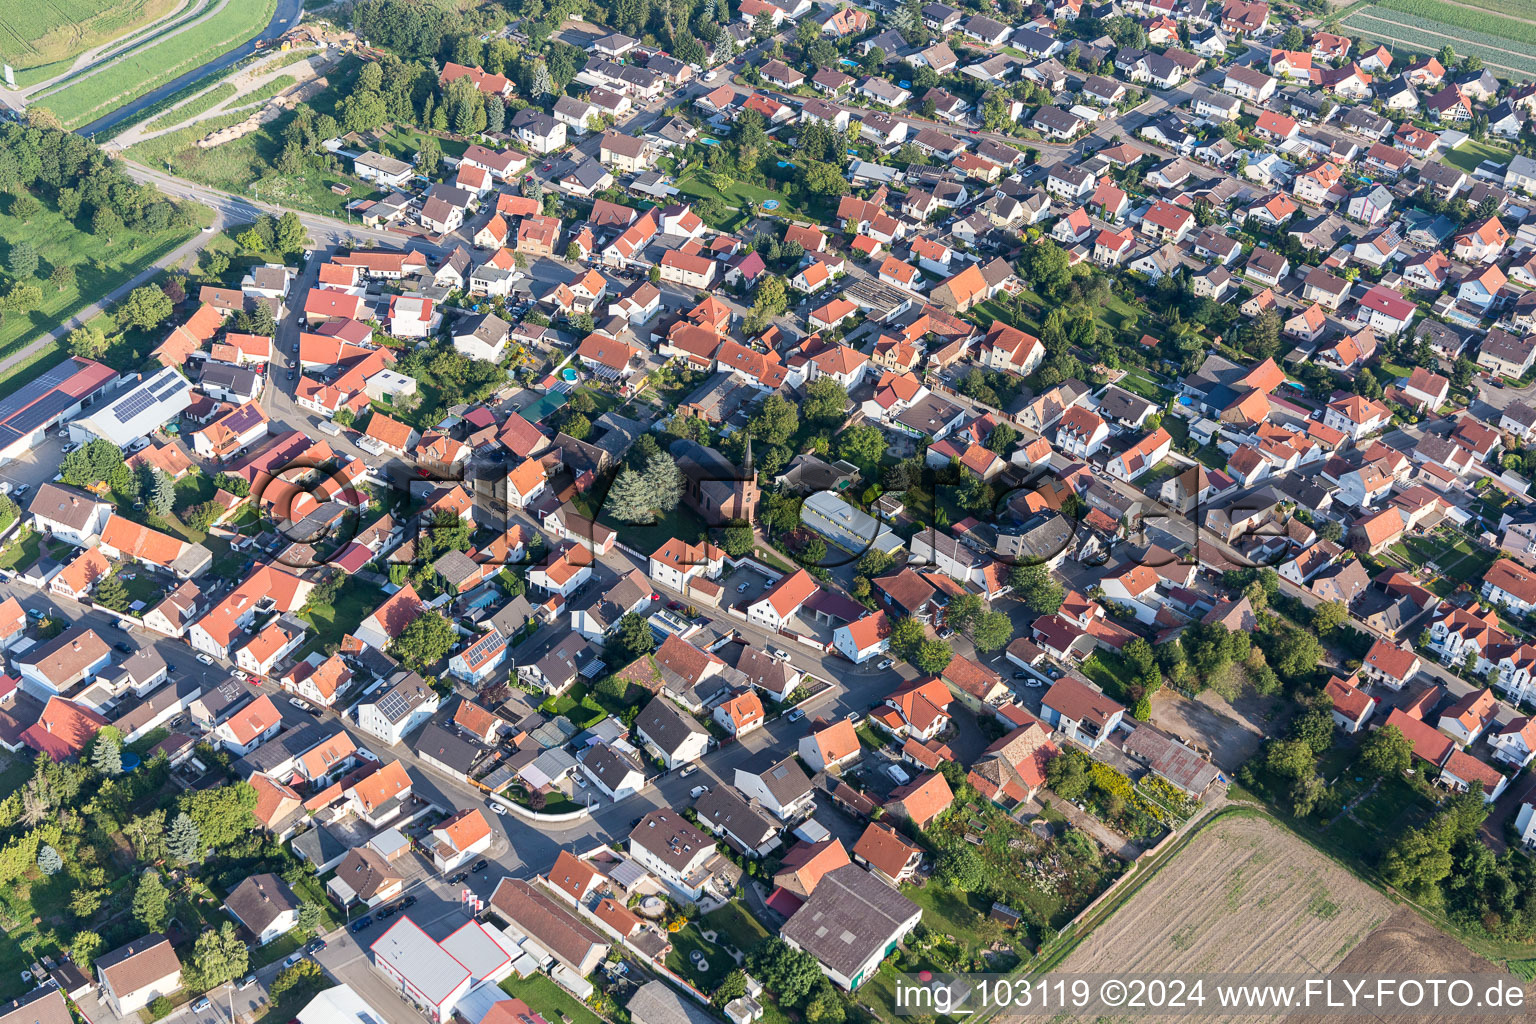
783, 777
609, 765
260, 900
850, 917
656, 1002
320, 845
446, 748
746, 827
667, 725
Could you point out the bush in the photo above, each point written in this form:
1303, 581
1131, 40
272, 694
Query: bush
161, 1008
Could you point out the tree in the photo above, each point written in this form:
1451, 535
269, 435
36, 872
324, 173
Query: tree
1002, 438
425, 640
107, 755
1067, 775
1293, 39
991, 631
309, 916
1036, 588
23, 260
963, 608
1421, 859
48, 860
185, 843
105, 223
931, 657
85, 901
86, 341
1330, 531
826, 401
1294, 654
151, 902
203, 515
145, 308
84, 948
224, 814
789, 973
110, 593
771, 300
959, 867
665, 481
578, 426
738, 540
1328, 615
291, 236
1447, 56
218, 956
26, 206
863, 443
633, 639
1386, 751
776, 421
630, 499
301, 977
62, 277
161, 494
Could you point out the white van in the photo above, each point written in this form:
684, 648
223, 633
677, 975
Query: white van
330, 428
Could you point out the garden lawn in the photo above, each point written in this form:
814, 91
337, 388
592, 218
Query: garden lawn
718, 962
354, 602
403, 141
736, 927
682, 522
549, 1000
1112, 673
100, 267
1471, 153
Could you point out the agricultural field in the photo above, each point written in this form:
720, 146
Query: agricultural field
87, 98
1244, 896
1506, 45
39, 41
1408, 946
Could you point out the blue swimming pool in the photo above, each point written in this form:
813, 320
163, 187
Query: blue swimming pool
706, 140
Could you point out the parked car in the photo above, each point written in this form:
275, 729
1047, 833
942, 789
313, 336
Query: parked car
204, 659
688, 770
361, 923
498, 810
200, 1004
20, 490
294, 958
885, 664
408, 902
698, 791
301, 705
125, 648
460, 877
240, 673
854, 718
385, 913
741, 588
246, 982
480, 865
315, 946
795, 715
1021, 675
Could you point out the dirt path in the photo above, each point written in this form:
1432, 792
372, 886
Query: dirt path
245, 83
1111, 840
1452, 40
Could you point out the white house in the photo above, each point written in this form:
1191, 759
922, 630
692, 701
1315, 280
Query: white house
866, 637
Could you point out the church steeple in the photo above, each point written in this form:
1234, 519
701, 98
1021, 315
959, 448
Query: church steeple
749, 452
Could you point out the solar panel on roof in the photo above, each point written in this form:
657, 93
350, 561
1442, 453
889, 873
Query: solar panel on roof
39, 387
393, 706
41, 411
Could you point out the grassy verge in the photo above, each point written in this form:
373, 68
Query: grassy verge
207, 101
160, 62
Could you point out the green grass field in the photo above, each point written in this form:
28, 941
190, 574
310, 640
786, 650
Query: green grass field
40, 40
1471, 153
100, 267
86, 99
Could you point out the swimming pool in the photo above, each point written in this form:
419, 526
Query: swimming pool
706, 140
